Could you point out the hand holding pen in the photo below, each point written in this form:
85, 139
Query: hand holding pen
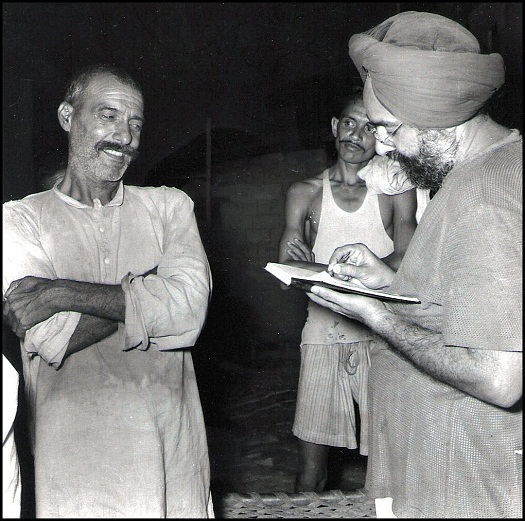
359, 262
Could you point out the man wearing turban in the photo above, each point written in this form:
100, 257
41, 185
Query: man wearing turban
445, 388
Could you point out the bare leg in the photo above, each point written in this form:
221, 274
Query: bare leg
312, 473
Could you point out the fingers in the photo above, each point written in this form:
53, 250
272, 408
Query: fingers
326, 294
297, 243
347, 271
24, 285
18, 330
16, 316
294, 256
28, 287
331, 299
12, 287
349, 253
11, 320
322, 300
340, 255
298, 250
20, 303
352, 306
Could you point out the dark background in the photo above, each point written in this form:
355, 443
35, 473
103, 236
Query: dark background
264, 73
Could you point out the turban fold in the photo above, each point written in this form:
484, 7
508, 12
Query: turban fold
426, 69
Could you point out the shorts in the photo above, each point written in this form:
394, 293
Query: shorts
330, 379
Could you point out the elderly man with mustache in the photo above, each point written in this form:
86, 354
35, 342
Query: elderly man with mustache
107, 286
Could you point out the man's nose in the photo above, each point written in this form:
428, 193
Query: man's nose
122, 134
356, 134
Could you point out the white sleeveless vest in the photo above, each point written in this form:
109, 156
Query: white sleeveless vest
337, 228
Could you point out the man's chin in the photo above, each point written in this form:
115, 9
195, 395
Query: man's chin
113, 174
417, 173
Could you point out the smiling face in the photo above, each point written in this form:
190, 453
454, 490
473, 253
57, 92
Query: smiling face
353, 142
104, 129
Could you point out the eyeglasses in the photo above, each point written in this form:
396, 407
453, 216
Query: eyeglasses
375, 131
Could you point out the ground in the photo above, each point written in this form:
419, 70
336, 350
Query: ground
249, 421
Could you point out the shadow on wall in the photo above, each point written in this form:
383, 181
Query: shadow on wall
190, 159
249, 311
248, 307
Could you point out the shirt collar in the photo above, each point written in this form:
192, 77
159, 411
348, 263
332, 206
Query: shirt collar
116, 201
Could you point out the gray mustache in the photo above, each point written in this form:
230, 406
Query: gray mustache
124, 149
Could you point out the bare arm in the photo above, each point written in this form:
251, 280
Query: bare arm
92, 329
294, 247
295, 213
89, 331
404, 208
30, 300
492, 376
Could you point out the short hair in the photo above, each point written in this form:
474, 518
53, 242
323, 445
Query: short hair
356, 94
83, 77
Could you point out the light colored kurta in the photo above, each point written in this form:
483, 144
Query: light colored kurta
11, 485
117, 429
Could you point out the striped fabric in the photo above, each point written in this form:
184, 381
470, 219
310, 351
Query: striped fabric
331, 378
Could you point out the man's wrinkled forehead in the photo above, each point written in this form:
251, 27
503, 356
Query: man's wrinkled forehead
106, 87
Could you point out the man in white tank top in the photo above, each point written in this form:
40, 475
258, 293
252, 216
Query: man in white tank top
322, 213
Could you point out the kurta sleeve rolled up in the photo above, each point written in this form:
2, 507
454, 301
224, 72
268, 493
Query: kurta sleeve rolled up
23, 256
50, 339
169, 308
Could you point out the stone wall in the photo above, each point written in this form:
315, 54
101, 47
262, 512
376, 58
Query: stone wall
248, 307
